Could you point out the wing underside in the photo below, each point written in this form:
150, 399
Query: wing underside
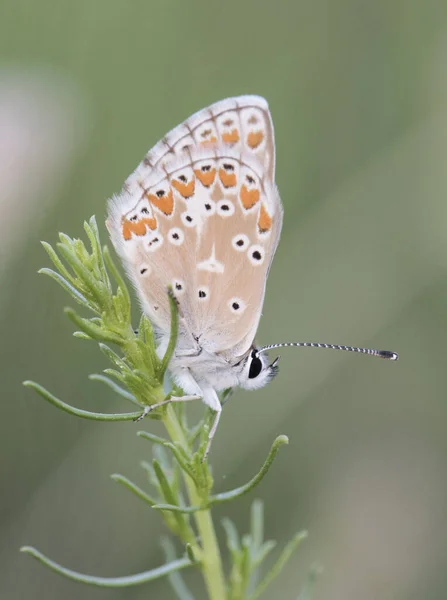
201, 213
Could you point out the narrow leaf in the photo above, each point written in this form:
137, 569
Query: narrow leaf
81, 335
306, 592
115, 387
114, 358
95, 332
91, 229
233, 542
57, 262
174, 333
110, 582
156, 439
84, 274
165, 488
244, 489
257, 524
134, 488
74, 293
77, 412
117, 276
184, 528
179, 509
279, 565
175, 579
263, 552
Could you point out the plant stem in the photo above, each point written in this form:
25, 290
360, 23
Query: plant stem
210, 558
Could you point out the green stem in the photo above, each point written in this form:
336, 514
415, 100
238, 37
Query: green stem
210, 558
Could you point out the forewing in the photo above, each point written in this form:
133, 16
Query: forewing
201, 213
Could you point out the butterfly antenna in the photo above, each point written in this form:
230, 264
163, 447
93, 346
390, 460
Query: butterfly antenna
387, 354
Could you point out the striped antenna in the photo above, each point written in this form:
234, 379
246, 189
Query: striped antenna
387, 354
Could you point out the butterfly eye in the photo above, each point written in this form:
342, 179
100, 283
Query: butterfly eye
255, 366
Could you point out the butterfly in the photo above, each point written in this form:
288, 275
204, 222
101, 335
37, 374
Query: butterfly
201, 215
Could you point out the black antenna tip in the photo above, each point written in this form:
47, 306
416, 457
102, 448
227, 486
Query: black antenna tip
388, 355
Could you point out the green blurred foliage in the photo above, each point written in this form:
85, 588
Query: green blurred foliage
358, 92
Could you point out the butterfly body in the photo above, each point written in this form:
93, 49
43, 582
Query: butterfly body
203, 373
201, 215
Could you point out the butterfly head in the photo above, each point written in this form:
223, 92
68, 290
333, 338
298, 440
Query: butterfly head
257, 370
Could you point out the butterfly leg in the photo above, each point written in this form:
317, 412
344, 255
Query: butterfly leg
211, 399
150, 407
212, 432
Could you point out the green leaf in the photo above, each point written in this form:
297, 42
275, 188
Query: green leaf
77, 412
89, 283
152, 437
114, 358
109, 582
134, 488
175, 579
166, 491
263, 552
91, 229
174, 333
308, 588
244, 489
115, 387
81, 335
179, 509
58, 263
279, 564
92, 330
233, 542
119, 280
257, 524
68, 287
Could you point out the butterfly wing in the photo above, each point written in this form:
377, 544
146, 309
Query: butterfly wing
201, 213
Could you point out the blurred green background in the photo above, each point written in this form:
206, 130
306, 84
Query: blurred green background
358, 93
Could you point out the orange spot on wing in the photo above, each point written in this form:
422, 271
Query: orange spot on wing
151, 222
228, 179
209, 142
185, 189
249, 197
206, 178
230, 137
164, 203
254, 138
138, 227
265, 220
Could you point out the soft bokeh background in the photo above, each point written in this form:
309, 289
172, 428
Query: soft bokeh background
358, 93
